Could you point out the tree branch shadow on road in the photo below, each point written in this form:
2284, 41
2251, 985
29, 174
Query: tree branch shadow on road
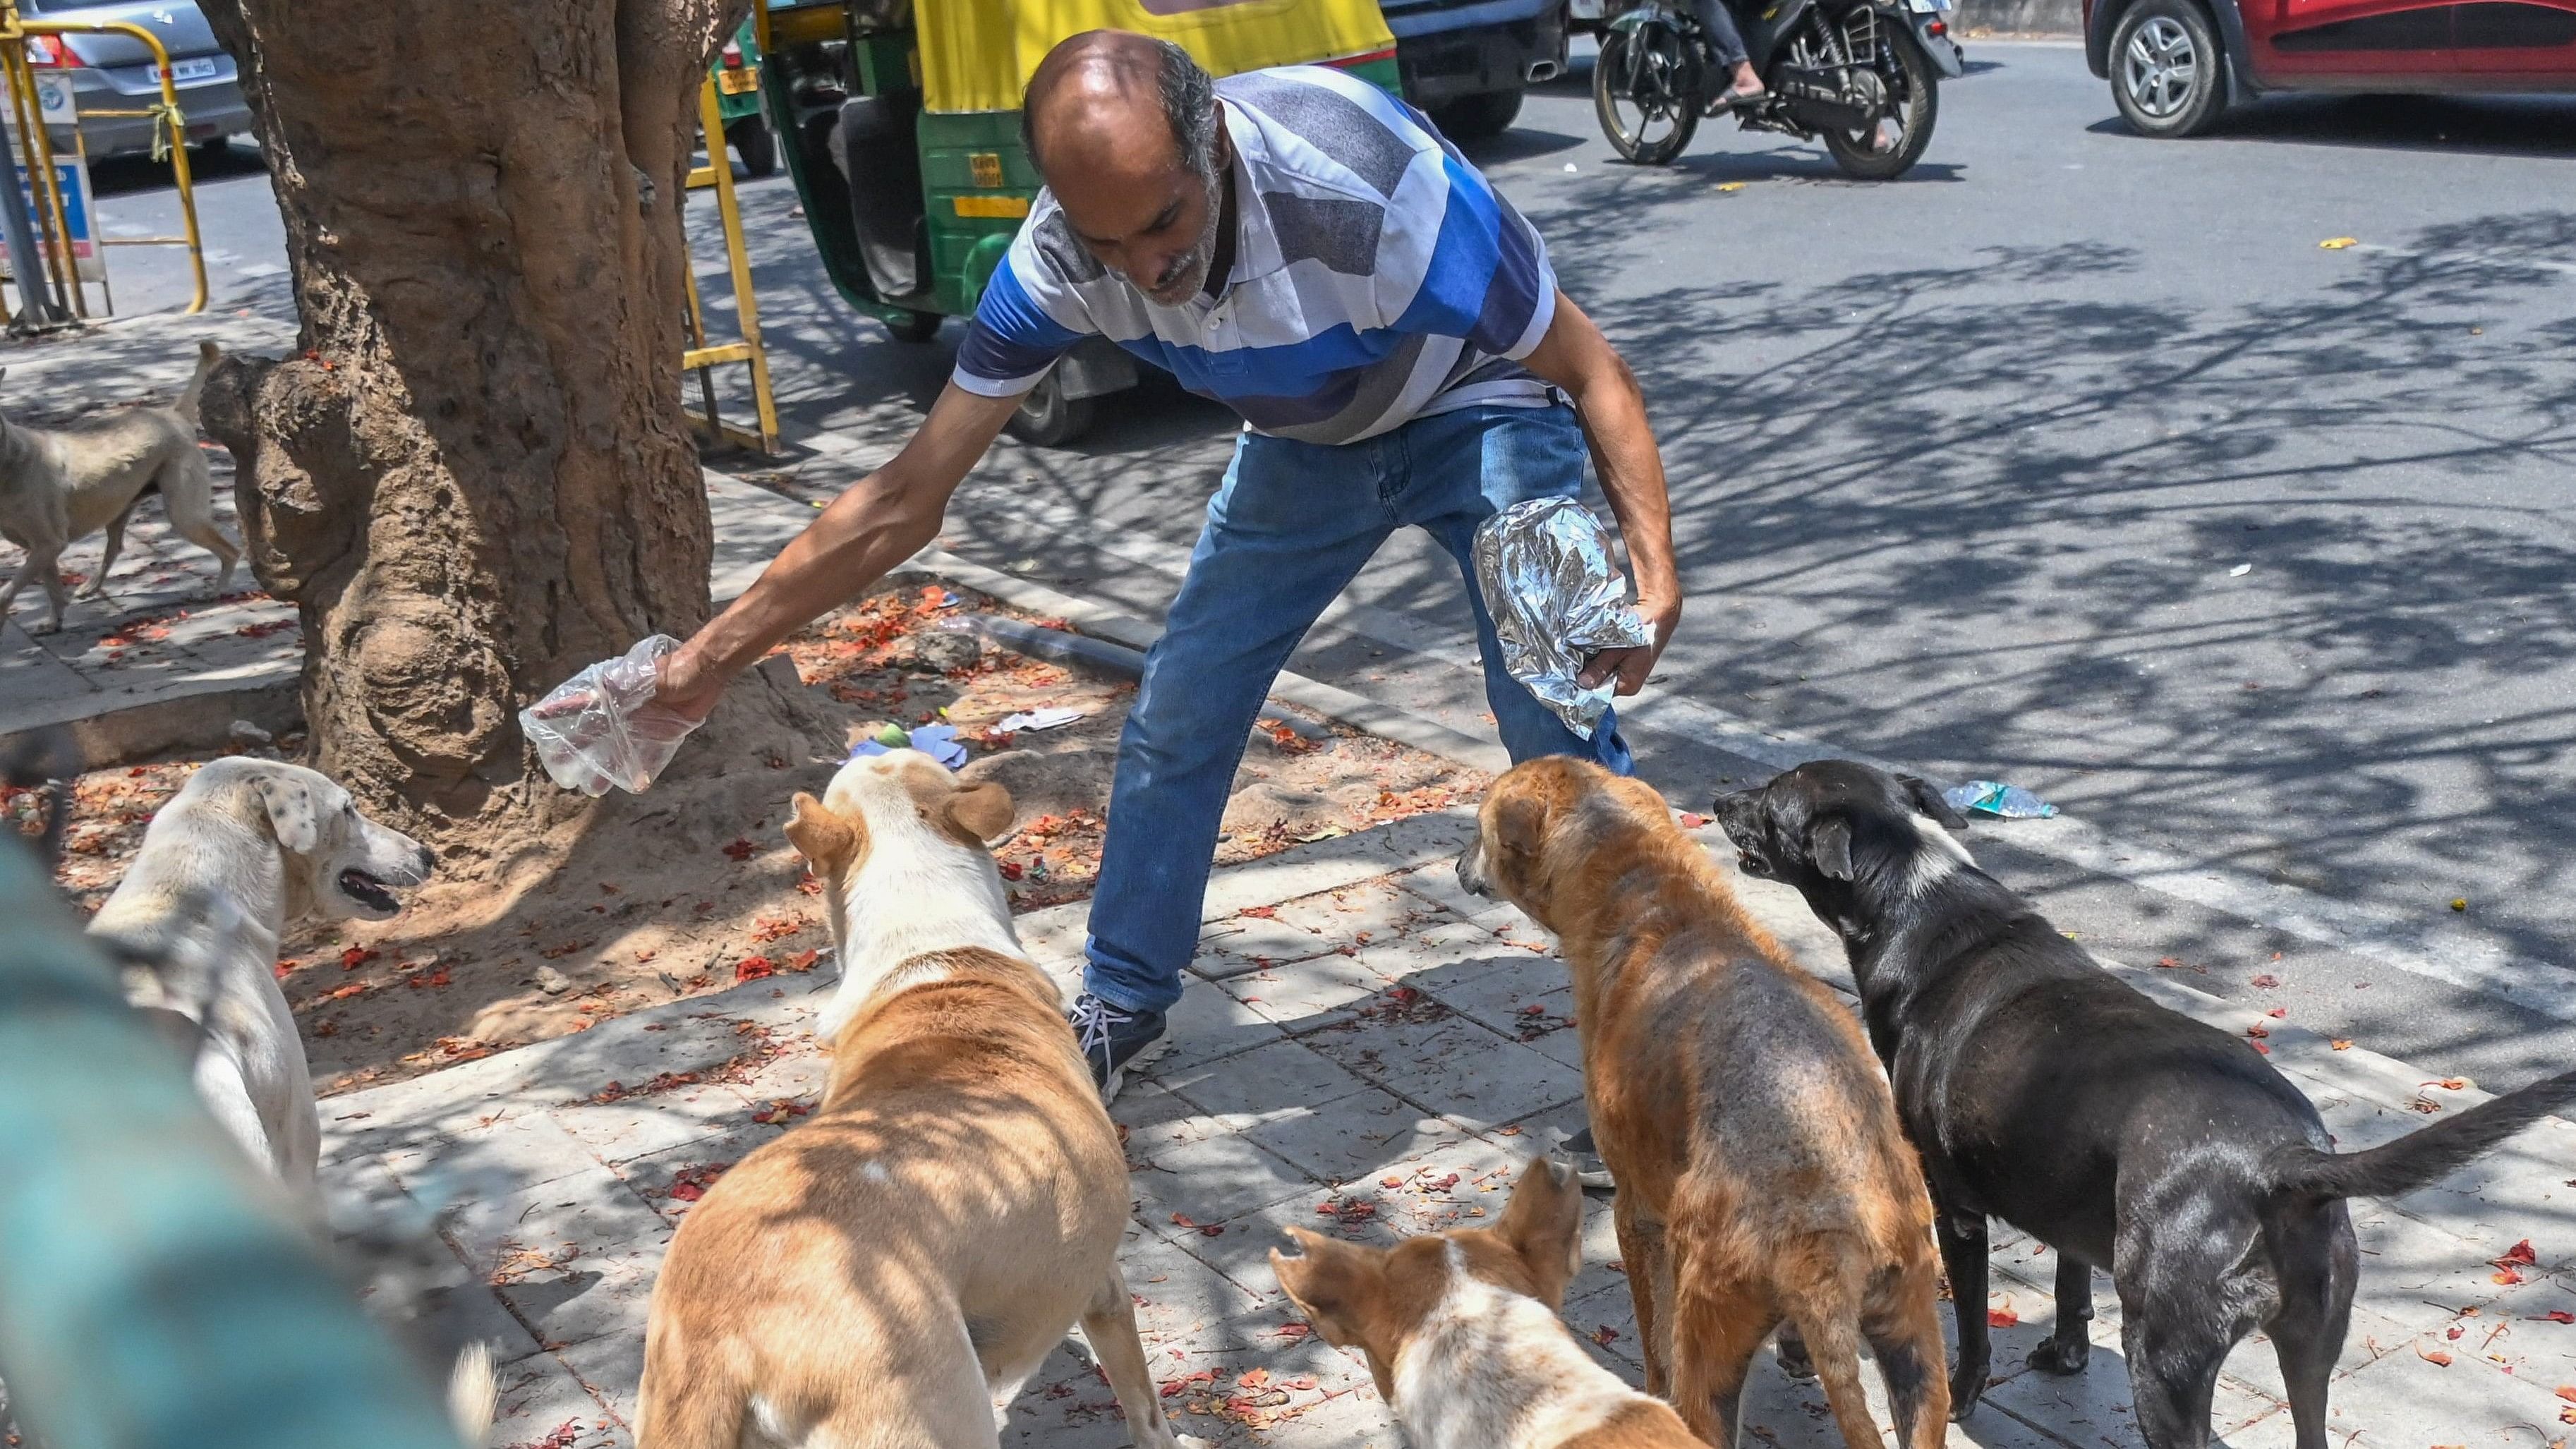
1965, 486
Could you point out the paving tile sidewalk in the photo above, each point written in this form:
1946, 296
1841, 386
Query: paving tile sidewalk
1369, 1052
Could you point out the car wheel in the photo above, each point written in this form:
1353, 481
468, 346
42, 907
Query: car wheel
1479, 117
753, 142
1048, 418
2168, 75
914, 326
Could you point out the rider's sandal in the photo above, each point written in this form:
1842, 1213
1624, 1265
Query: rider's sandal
1739, 100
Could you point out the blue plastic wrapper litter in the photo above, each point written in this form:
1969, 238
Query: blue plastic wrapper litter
600, 728
938, 741
1994, 797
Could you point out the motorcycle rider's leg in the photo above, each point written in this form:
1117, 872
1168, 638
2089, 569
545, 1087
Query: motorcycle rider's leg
1725, 39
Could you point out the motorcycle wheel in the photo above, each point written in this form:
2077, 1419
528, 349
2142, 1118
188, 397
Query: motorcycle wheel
1890, 147
1645, 89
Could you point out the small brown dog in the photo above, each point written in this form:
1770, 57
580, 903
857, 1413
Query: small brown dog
882, 1273
1761, 1173
1462, 1335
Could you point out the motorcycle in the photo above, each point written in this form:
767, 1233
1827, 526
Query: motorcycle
1863, 75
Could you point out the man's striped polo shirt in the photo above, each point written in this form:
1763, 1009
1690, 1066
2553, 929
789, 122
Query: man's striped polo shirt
1377, 277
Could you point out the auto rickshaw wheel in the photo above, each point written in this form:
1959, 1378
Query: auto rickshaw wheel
1049, 419
753, 141
914, 326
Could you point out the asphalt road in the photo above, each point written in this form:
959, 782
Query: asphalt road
2071, 460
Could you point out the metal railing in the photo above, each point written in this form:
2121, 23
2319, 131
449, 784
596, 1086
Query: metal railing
26, 117
700, 357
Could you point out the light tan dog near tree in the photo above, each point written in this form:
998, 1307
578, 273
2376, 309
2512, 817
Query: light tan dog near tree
60, 485
1761, 1172
884, 1272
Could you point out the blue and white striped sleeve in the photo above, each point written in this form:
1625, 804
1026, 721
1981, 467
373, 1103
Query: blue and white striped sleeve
1013, 340
1488, 279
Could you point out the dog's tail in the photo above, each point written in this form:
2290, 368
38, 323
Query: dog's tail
2426, 1155
208, 354
473, 1394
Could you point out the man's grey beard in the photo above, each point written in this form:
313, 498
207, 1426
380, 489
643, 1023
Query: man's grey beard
1187, 276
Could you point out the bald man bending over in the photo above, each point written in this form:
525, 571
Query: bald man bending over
1306, 248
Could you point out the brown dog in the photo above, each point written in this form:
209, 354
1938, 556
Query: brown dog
1461, 1332
884, 1272
1761, 1173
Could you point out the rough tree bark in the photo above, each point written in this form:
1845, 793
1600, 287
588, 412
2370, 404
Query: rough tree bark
474, 480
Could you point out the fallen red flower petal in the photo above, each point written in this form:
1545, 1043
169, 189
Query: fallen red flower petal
2001, 1318
2520, 1253
752, 968
741, 850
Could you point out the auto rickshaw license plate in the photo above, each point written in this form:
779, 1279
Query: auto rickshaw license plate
735, 82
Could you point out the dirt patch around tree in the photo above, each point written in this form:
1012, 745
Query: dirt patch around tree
691, 887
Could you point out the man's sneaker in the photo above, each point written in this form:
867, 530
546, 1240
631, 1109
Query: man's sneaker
1114, 1039
1589, 1169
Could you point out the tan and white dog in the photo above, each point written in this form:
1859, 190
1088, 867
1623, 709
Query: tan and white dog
884, 1272
247, 848
1462, 1335
60, 485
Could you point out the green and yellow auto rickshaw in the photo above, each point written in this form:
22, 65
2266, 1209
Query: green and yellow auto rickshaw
900, 123
736, 72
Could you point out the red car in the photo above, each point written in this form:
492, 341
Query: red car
2174, 65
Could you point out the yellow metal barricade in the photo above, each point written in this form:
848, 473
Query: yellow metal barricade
701, 358
26, 116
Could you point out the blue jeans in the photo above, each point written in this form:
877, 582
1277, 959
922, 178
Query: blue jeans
1288, 529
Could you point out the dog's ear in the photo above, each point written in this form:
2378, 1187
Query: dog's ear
291, 813
1923, 797
1829, 846
1515, 833
827, 839
1331, 1282
978, 812
1544, 1225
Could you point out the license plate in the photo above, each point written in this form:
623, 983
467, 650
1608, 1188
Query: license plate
1928, 7
735, 82
202, 68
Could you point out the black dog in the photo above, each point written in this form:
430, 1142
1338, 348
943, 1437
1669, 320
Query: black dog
2043, 1090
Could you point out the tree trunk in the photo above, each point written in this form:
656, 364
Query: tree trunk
475, 479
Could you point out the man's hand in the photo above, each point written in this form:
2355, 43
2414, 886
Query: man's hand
604, 729
1576, 357
1632, 666
686, 687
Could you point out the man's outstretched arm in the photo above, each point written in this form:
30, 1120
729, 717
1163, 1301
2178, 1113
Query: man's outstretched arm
881, 520
1576, 357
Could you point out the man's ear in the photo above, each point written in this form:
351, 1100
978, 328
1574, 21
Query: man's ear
1332, 1283
978, 812
291, 813
827, 839
1829, 846
1928, 800
1544, 1224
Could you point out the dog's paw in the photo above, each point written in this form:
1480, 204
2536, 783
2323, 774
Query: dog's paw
2055, 1357
91, 590
1965, 1390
